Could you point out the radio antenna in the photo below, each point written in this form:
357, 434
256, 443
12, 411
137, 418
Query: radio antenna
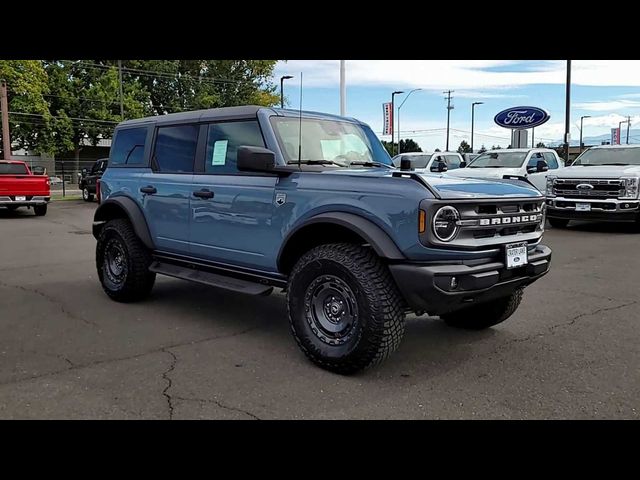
300, 127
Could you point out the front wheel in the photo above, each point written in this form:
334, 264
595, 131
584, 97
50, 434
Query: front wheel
558, 222
40, 210
345, 310
86, 195
123, 262
484, 315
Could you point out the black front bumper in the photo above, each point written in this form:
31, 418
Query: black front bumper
594, 215
428, 287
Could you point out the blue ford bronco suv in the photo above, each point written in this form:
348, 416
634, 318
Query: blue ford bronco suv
251, 198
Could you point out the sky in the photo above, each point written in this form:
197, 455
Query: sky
607, 90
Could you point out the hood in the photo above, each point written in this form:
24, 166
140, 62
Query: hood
605, 171
483, 172
450, 187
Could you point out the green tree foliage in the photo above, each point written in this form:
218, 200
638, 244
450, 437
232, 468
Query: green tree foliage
482, 149
26, 85
464, 147
437, 150
541, 145
496, 147
406, 146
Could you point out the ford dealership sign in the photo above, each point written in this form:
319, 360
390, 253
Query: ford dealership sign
521, 117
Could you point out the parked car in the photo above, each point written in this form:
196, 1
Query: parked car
532, 164
424, 162
88, 181
224, 198
600, 185
55, 181
19, 187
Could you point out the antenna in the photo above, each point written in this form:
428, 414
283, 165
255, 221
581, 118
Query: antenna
300, 128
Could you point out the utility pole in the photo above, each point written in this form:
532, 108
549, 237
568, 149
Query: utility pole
628, 125
449, 108
567, 112
121, 96
473, 105
4, 105
343, 89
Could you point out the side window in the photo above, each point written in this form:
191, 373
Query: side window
533, 161
175, 148
551, 160
95, 168
223, 140
453, 162
128, 146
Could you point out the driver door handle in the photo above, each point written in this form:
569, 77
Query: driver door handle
204, 193
150, 189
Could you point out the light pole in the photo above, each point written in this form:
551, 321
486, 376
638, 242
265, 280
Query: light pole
397, 92
567, 112
581, 119
620, 131
473, 106
282, 79
405, 99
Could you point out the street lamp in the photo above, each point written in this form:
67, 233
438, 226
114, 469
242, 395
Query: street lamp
405, 99
581, 119
282, 79
397, 92
473, 105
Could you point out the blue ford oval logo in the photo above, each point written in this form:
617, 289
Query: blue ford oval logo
521, 117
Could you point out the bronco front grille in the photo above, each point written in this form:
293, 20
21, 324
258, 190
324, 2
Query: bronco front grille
588, 188
487, 224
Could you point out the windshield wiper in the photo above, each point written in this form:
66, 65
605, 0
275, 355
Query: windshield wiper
315, 162
370, 164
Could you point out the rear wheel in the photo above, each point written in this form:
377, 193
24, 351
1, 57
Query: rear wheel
345, 310
40, 210
123, 262
484, 315
86, 195
558, 222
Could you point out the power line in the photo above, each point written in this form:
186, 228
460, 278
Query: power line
70, 118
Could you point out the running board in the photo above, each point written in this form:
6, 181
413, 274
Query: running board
211, 279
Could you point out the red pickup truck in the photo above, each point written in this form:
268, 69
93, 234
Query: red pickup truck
19, 187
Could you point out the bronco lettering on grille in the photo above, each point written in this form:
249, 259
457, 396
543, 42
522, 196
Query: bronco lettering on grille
509, 220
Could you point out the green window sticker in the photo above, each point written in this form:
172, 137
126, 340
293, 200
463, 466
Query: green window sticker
219, 156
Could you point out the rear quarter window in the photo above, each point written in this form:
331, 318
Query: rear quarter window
128, 147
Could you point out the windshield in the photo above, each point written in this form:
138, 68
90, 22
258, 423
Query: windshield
13, 169
498, 160
417, 161
609, 156
336, 142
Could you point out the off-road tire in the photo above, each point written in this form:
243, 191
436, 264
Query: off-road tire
40, 210
558, 222
484, 315
138, 280
378, 326
86, 195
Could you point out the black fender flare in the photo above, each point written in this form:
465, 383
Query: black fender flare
133, 213
379, 240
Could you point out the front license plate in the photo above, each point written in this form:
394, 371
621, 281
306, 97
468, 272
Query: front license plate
583, 207
20, 199
516, 255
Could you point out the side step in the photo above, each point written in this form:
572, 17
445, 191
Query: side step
212, 279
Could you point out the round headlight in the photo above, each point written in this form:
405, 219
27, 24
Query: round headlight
445, 223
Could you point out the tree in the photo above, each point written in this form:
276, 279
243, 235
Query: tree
464, 147
482, 149
27, 86
495, 147
540, 145
391, 149
437, 150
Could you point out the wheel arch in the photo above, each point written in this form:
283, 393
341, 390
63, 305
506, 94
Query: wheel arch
334, 227
123, 207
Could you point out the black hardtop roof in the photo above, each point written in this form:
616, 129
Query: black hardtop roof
225, 113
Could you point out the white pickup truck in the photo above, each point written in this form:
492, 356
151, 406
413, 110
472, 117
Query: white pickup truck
601, 185
534, 164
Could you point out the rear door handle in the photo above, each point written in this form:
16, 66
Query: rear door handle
204, 193
149, 189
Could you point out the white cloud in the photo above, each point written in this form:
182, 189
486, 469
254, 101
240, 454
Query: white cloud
464, 74
607, 106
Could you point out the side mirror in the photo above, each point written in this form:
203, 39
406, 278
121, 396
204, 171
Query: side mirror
255, 159
542, 166
84, 171
462, 164
405, 164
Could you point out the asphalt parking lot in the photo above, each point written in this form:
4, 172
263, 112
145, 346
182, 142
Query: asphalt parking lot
572, 351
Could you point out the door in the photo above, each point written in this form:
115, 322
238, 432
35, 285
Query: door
230, 210
539, 179
166, 191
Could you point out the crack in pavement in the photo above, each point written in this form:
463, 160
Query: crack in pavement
130, 357
219, 404
51, 299
166, 376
